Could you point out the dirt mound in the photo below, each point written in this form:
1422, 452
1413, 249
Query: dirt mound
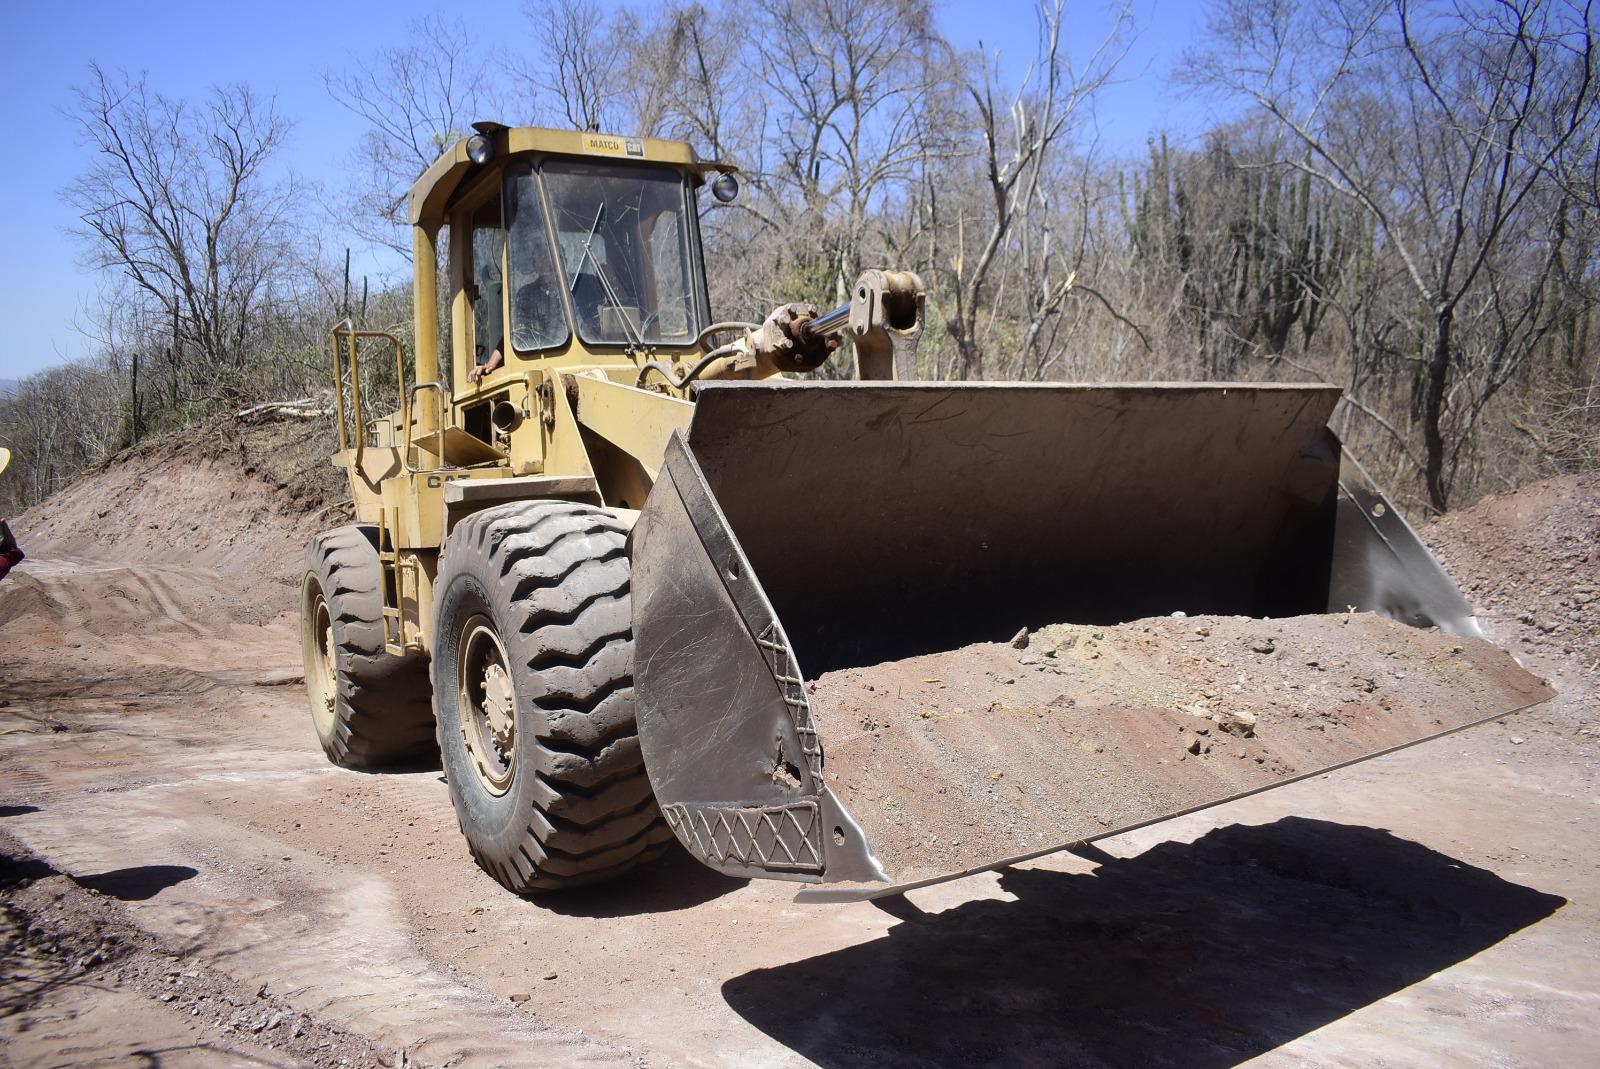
955, 760
987, 752
227, 496
1529, 561
128, 606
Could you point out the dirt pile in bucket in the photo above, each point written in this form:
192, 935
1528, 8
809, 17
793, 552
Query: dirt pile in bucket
955, 760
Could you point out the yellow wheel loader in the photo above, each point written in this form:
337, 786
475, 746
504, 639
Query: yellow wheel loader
599, 562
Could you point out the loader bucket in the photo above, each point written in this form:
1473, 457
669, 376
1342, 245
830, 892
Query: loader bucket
811, 535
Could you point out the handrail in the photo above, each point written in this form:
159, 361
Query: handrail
340, 328
345, 329
405, 453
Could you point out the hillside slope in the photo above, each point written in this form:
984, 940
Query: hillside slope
228, 496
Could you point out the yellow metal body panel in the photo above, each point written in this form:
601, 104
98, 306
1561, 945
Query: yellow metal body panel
416, 504
377, 465
425, 312
525, 443
564, 452
569, 421
456, 448
636, 421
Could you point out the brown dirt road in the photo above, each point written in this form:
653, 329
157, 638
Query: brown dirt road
188, 882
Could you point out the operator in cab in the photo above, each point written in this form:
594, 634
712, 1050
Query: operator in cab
536, 308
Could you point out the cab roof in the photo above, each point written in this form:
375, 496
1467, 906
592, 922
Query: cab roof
431, 193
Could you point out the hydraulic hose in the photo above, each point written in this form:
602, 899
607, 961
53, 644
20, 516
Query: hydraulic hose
718, 328
665, 370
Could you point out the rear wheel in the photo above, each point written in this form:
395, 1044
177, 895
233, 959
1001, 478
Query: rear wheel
370, 709
533, 694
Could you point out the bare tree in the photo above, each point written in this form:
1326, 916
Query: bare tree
178, 200
417, 101
846, 124
1410, 210
577, 64
706, 99
1021, 139
1446, 123
660, 49
60, 421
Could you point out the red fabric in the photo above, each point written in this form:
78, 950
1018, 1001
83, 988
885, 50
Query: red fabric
9, 559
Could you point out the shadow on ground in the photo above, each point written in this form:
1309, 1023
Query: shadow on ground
138, 883
674, 883
1199, 955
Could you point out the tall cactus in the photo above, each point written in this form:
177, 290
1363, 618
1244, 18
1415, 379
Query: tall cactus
1255, 251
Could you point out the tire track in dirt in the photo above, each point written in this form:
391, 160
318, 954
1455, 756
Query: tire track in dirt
332, 940
334, 944
120, 788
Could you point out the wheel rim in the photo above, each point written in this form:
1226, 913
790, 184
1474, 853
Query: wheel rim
486, 703
321, 674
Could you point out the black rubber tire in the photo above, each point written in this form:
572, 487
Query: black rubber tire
381, 713
552, 578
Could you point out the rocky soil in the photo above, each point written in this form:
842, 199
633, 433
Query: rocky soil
1529, 561
78, 966
187, 882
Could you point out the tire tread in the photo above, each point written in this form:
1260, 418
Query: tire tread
383, 712
563, 569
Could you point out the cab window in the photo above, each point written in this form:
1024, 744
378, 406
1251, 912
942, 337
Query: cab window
538, 320
485, 287
624, 240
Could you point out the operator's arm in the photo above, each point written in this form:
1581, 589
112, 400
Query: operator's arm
494, 361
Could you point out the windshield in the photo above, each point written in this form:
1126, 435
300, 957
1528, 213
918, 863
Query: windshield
624, 241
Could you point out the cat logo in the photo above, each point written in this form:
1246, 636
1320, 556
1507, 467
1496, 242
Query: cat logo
610, 145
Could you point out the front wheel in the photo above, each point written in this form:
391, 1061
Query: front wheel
533, 695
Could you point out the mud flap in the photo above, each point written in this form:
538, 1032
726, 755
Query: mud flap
844, 525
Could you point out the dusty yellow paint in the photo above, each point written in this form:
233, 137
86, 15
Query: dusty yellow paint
561, 404
639, 422
433, 190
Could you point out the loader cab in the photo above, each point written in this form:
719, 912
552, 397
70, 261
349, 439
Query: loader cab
561, 258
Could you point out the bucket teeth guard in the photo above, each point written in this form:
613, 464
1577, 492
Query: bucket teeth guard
744, 791
851, 524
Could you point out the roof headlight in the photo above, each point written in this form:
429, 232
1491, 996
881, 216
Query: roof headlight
480, 149
725, 188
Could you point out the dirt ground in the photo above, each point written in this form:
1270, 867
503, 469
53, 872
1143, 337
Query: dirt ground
187, 882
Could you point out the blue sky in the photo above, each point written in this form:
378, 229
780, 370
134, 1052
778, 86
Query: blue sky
282, 50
